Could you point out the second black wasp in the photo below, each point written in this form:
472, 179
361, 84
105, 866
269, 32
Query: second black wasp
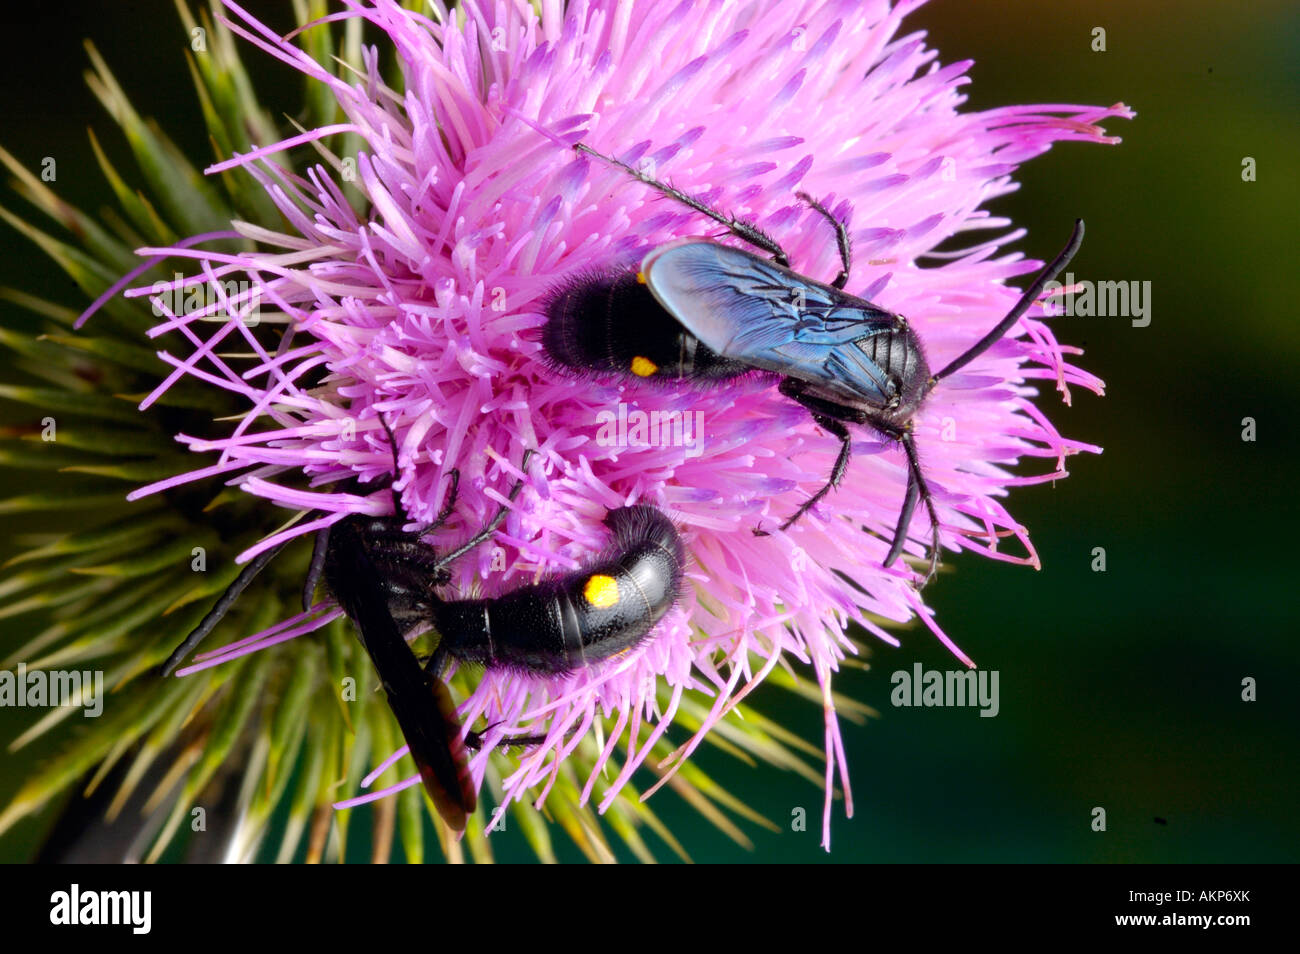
386, 580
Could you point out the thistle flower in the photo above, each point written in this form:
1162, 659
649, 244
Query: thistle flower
402, 280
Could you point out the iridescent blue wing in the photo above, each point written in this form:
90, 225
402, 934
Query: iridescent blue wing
753, 310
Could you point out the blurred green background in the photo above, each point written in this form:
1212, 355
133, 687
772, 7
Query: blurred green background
1119, 689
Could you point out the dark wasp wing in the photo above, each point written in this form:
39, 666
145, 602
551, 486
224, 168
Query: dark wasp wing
420, 700
753, 310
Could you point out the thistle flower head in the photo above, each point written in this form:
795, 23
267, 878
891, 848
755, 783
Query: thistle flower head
408, 277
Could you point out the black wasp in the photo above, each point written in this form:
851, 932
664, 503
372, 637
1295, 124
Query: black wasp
705, 312
385, 578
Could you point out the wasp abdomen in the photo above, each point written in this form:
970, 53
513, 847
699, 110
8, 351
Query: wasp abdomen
579, 618
608, 322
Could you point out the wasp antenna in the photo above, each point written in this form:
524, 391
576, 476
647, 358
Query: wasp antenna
392, 446
222, 606
1028, 298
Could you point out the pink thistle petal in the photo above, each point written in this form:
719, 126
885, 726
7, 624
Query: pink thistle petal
279, 633
424, 311
377, 794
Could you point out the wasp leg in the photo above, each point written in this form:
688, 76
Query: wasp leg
474, 740
436, 664
841, 240
745, 231
827, 413
841, 465
904, 519
917, 488
491, 528
454, 476
837, 471
448, 507
434, 667
914, 463
444, 515
831, 417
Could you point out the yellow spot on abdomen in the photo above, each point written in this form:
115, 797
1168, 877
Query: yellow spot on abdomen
640, 277
643, 367
601, 591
